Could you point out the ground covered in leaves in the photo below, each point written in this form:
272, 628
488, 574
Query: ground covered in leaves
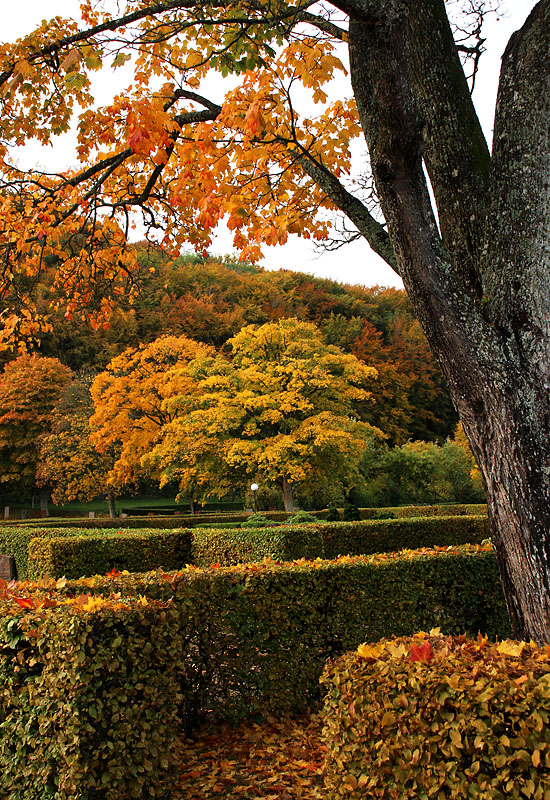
277, 760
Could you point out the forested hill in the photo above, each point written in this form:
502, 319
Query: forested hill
211, 300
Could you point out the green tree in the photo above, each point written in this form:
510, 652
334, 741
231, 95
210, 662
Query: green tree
280, 410
30, 387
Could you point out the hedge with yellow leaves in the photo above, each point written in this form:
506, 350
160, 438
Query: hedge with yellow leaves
438, 717
88, 698
256, 636
330, 540
77, 553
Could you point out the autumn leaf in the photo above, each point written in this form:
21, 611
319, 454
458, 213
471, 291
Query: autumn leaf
24, 602
423, 652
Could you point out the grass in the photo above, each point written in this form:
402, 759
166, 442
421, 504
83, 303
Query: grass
278, 760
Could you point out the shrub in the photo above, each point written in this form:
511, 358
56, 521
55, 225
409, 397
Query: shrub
89, 700
333, 515
302, 518
258, 521
434, 716
255, 638
351, 513
92, 553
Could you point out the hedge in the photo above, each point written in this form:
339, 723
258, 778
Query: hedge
286, 543
442, 717
256, 637
78, 552
15, 542
88, 700
202, 519
85, 553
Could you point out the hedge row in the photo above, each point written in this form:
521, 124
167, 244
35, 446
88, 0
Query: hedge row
88, 700
191, 521
77, 551
93, 553
91, 671
256, 636
84, 553
435, 716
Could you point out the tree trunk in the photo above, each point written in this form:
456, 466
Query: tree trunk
44, 497
478, 280
288, 495
112, 507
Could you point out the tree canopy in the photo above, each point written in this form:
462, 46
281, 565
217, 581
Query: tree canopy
281, 410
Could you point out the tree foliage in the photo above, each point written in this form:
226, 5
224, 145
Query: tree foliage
129, 402
68, 461
30, 387
280, 410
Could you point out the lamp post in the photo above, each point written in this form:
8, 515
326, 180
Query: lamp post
254, 489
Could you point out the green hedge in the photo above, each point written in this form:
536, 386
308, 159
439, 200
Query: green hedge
89, 687
256, 637
86, 553
79, 552
441, 717
329, 540
88, 701
15, 541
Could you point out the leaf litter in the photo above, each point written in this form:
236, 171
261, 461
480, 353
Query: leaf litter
280, 759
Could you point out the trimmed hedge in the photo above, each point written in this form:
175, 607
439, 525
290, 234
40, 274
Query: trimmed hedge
88, 700
329, 540
15, 542
435, 716
256, 637
86, 553
77, 552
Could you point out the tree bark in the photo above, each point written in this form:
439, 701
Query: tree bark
478, 285
44, 497
288, 494
112, 507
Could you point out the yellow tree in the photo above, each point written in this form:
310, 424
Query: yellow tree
473, 253
129, 402
280, 409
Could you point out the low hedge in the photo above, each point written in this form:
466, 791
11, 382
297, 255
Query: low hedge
85, 553
88, 700
15, 541
435, 716
256, 637
78, 552
329, 540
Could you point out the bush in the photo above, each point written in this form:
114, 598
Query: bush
89, 700
255, 638
351, 513
333, 515
302, 518
435, 716
258, 521
97, 553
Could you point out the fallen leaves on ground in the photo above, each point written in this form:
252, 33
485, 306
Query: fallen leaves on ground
276, 760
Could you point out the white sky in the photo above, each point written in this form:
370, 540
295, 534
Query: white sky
354, 263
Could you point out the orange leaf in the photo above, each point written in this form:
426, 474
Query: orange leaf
422, 653
25, 602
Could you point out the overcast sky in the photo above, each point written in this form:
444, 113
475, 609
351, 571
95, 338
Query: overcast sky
354, 263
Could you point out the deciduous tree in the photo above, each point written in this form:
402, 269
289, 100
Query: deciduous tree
68, 461
476, 272
129, 402
279, 410
30, 387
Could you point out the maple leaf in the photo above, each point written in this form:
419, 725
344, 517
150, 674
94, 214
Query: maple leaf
423, 652
24, 602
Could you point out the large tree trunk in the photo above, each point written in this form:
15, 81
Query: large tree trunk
112, 506
478, 277
288, 494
